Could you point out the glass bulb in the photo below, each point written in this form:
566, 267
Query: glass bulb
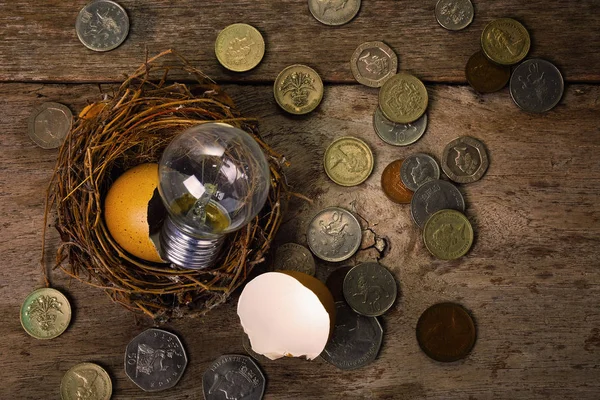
213, 179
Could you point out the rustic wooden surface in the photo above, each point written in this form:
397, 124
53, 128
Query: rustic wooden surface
531, 280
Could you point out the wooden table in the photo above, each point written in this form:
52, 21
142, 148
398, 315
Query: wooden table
532, 279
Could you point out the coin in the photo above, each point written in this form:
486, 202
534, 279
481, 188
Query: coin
373, 63
536, 85
334, 12
434, 196
454, 15
370, 289
448, 234
102, 25
403, 98
398, 134
239, 47
446, 332
335, 282
155, 360
334, 234
294, 257
465, 160
45, 313
348, 161
233, 376
418, 169
355, 340
392, 185
86, 381
49, 124
485, 76
505, 41
298, 89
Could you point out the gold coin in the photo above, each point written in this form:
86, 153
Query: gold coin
239, 47
448, 234
348, 161
298, 89
505, 41
86, 381
45, 313
403, 98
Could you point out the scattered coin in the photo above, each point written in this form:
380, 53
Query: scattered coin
334, 234
398, 134
233, 376
355, 340
505, 41
294, 257
49, 124
454, 15
348, 161
465, 160
298, 89
418, 169
335, 282
403, 98
432, 197
370, 289
392, 185
485, 76
373, 63
536, 85
239, 47
155, 360
334, 12
446, 332
45, 313
86, 381
102, 25
448, 234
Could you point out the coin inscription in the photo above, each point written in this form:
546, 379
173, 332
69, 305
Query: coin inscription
505, 41
334, 234
373, 63
233, 376
239, 47
398, 134
298, 89
448, 234
403, 98
348, 161
465, 160
536, 85
45, 313
86, 381
454, 15
102, 25
370, 289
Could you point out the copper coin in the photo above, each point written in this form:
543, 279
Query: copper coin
335, 282
446, 332
485, 76
392, 185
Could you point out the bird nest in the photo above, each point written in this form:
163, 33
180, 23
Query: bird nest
131, 127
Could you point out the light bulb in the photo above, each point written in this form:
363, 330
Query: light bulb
213, 179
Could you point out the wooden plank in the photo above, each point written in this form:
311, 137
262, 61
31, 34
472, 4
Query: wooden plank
39, 43
531, 281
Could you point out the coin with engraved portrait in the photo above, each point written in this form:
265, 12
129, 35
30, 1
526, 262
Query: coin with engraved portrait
334, 12
448, 234
348, 161
505, 41
49, 124
86, 381
355, 340
434, 196
102, 25
239, 47
398, 134
536, 85
485, 76
392, 185
155, 360
373, 63
403, 98
334, 234
454, 15
45, 313
233, 376
465, 160
418, 169
294, 257
298, 89
370, 289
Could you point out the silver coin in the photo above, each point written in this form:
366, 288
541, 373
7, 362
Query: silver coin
398, 134
334, 12
370, 289
536, 85
233, 377
454, 15
49, 124
102, 25
155, 360
432, 197
334, 234
465, 160
294, 257
355, 340
373, 63
418, 169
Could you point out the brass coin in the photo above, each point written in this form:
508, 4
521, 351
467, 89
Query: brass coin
448, 234
403, 98
239, 47
446, 332
298, 89
45, 313
348, 161
392, 185
485, 76
86, 381
505, 41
